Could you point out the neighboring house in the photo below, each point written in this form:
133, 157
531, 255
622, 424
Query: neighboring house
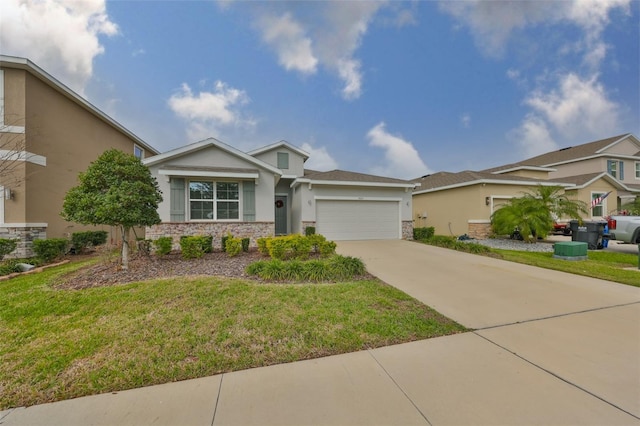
462, 203
211, 188
48, 135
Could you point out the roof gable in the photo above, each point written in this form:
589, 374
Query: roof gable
277, 145
205, 144
575, 153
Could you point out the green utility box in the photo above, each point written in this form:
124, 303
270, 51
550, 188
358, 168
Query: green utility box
570, 250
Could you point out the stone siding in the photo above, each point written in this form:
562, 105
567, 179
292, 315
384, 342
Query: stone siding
175, 230
25, 237
480, 231
407, 229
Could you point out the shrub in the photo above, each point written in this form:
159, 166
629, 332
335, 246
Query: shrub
346, 267
50, 249
420, 234
336, 268
289, 247
191, 247
163, 245
205, 241
453, 243
233, 246
327, 248
224, 241
309, 230
263, 245
83, 240
245, 244
7, 246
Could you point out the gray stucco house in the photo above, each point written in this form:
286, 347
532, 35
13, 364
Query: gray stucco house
211, 188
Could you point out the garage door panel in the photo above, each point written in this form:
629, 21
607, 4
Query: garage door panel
358, 219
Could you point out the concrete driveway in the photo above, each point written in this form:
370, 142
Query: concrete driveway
573, 330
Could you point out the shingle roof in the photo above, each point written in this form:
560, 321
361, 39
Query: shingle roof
446, 179
563, 154
344, 176
579, 179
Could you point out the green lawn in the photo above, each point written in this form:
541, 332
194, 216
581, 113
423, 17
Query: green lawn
617, 267
60, 344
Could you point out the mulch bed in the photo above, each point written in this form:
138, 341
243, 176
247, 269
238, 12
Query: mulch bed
143, 268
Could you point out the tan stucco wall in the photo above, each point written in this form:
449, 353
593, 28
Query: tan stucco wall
450, 211
68, 135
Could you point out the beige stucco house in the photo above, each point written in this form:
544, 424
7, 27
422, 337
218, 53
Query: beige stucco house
48, 135
211, 188
463, 202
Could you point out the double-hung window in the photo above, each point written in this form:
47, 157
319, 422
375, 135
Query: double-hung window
597, 204
214, 200
637, 169
612, 168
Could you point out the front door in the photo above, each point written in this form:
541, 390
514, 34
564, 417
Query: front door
281, 215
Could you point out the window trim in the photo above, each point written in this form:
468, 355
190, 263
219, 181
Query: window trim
612, 168
214, 201
282, 159
138, 147
603, 203
637, 169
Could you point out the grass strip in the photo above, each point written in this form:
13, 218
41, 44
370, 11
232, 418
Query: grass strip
60, 344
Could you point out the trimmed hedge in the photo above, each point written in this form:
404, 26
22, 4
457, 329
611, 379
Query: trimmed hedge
296, 246
50, 249
163, 245
420, 234
7, 246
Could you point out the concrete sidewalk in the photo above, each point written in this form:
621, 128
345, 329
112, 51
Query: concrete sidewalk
549, 348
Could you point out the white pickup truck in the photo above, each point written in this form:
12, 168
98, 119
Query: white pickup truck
624, 228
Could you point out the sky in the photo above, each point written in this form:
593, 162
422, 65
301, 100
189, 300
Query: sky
393, 88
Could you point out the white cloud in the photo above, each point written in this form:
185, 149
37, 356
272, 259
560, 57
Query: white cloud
402, 160
578, 106
207, 113
533, 137
61, 36
493, 22
319, 159
327, 35
287, 37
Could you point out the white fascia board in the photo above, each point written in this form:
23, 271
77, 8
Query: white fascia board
22, 63
24, 225
278, 145
29, 157
591, 157
615, 182
350, 183
149, 161
210, 142
339, 198
530, 168
203, 173
491, 181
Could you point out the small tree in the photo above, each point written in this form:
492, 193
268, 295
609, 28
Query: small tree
116, 190
534, 213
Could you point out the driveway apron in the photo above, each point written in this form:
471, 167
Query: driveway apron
576, 331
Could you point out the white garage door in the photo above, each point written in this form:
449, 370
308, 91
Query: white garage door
358, 219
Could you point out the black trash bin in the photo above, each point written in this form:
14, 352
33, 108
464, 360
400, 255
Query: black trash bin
589, 232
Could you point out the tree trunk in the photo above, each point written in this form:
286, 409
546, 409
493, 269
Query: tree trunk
125, 248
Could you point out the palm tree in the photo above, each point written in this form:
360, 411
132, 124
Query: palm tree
533, 214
